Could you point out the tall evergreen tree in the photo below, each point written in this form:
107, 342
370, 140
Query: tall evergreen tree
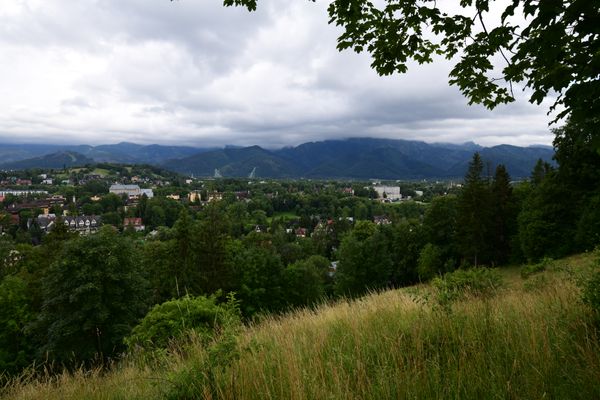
474, 215
503, 215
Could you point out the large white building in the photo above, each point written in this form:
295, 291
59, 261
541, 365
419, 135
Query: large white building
129, 190
388, 192
132, 191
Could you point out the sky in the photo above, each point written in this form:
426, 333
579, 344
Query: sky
192, 72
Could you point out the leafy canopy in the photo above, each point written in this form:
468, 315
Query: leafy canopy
552, 46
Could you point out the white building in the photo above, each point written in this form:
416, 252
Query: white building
388, 192
129, 190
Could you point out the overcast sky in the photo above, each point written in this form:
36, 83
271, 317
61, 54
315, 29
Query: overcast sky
191, 72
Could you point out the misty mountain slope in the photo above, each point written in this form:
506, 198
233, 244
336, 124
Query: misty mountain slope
360, 158
234, 162
55, 160
124, 152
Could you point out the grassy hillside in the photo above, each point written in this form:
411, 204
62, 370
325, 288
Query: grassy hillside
531, 339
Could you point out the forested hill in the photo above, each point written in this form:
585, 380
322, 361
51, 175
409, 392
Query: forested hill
55, 160
361, 158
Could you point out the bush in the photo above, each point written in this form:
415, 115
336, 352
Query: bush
455, 285
176, 318
531, 269
591, 292
430, 262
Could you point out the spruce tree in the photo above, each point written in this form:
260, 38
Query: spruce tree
474, 215
503, 215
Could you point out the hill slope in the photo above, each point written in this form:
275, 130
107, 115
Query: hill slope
361, 158
55, 160
117, 153
532, 339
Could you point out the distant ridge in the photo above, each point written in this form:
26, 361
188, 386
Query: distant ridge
123, 152
55, 160
356, 158
360, 158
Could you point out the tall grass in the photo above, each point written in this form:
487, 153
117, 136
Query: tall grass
518, 344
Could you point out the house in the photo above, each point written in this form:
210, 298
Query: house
22, 192
349, 191
43, 205
134, 223
194, 196
95, 198
215, 196
381, 220
301, 232
147, 192
23, 182
47, 181
83, 224
45, 222
173, 197
389, 193
129, 190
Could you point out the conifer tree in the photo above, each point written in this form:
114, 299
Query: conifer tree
503, 215
474, 215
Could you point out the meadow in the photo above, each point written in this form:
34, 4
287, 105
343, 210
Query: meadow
531, 338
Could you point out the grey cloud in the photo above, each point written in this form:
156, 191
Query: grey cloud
193, 72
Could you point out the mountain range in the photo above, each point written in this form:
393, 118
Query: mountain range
358, 158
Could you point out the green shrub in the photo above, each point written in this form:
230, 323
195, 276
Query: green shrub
531, 269
176, 318
535, 284
455, 285
591, 292
430, 262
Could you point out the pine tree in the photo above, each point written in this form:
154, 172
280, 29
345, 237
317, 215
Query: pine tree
474, 215
503, 215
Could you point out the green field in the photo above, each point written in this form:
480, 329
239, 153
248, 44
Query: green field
286, 215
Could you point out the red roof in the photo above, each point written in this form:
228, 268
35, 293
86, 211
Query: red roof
132, 222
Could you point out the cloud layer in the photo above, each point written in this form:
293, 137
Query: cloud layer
193, 72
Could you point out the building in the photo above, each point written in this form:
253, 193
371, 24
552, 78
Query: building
194, 196
214, 196
134, 223
84, 224
147, 192
301, 232
22, 192
129, 190
45, 222
390, 193
381, 220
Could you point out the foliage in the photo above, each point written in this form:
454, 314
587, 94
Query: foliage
93, 295
364, 261
547, 221
474, 215
176, 318
305, 281
16, 347
480, 281
591, 288
531, 269
430, 262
